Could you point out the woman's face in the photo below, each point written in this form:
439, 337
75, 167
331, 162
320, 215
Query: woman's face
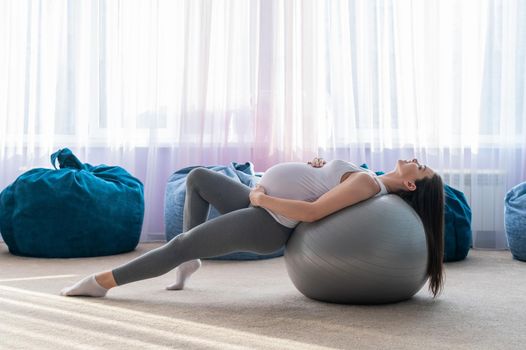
413, 170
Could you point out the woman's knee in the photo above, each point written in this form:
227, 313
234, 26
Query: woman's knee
195, 175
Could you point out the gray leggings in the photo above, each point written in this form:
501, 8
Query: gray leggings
241, 227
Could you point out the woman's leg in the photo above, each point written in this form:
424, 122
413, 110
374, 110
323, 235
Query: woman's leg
248, 229
205, 187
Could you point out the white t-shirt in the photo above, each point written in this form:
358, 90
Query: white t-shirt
302, 181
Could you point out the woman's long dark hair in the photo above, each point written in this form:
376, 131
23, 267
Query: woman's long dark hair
428, 201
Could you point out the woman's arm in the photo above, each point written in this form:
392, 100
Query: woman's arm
293, 209
349, 192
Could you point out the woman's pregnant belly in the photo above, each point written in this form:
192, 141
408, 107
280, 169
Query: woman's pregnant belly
294, 180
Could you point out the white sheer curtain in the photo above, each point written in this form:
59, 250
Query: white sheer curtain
158, 85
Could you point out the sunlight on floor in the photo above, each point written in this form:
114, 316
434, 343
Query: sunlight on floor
81, 319
72, 331
36, 278
40, 338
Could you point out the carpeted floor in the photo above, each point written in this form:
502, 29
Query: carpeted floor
234, 305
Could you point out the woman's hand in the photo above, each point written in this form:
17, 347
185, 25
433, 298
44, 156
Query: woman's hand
317, 162
255, 195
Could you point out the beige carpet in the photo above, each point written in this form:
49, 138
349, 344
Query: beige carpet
241, 305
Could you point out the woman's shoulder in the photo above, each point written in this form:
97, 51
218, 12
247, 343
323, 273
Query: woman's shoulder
366, 180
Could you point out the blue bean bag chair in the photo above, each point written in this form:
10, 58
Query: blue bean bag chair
457, 223
78, 210
515, 220
174, 203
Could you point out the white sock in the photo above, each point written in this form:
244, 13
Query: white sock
88, 287
183, 272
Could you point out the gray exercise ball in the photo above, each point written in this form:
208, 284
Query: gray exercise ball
373, 252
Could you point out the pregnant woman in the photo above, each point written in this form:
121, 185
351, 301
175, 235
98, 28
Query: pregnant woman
261, 220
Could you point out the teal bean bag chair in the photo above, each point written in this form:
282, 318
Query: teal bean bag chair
515, 220
78, 210
457, 225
